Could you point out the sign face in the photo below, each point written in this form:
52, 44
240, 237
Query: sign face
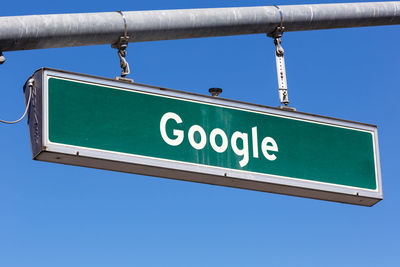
108, 124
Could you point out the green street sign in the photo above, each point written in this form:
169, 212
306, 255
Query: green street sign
108, 124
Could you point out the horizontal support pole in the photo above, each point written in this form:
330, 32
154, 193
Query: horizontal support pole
66, 30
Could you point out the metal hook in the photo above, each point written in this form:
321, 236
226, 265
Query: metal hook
122, 45
278, 32
125, 27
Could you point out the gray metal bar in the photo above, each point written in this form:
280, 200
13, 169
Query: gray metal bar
64, 30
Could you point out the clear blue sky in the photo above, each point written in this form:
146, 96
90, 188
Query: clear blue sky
56, 215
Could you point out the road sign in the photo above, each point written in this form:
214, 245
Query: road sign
108, 124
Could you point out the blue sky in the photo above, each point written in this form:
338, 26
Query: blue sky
56, 215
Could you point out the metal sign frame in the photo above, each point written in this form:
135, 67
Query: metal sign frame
45, 150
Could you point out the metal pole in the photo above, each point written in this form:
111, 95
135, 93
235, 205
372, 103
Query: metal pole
64, 30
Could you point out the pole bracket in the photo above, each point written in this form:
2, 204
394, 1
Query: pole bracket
280, 60
122, 45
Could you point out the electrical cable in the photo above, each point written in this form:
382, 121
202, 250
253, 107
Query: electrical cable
26, 109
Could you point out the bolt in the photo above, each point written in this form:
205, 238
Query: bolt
215, 91
2, 58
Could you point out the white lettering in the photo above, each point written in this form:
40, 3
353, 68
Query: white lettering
255, 141
203, 137
224, 145
198, 139
178, 133
269, 144
245, 149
